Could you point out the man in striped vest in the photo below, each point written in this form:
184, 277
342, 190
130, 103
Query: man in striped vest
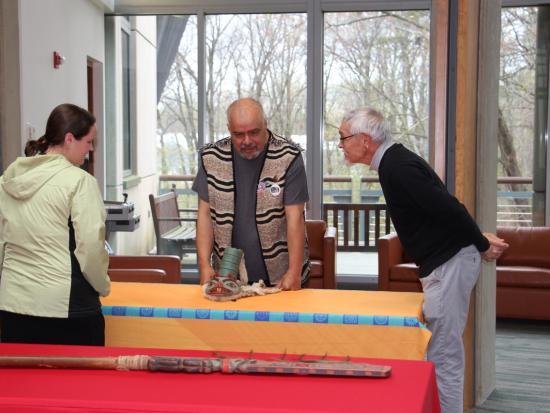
252, 189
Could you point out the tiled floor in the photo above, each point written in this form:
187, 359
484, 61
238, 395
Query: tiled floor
522, 368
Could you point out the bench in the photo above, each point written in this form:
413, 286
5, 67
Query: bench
175, 234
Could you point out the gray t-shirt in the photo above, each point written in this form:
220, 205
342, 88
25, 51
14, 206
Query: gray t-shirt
245, 235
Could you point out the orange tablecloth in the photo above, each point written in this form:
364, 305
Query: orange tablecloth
410, 388
315, 322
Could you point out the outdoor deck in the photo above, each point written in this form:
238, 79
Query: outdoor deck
357, 270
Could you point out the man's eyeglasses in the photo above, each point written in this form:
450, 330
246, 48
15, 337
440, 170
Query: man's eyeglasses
343, 138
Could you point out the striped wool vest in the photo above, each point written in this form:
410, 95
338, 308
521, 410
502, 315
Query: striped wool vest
271, 221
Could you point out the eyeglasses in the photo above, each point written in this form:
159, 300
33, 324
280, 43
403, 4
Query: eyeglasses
343, 138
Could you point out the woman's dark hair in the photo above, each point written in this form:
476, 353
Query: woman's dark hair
65, 118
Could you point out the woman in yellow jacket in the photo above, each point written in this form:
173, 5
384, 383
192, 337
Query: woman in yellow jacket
53, 262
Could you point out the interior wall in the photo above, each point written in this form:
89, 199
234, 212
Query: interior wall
143, 179
1, 86
113, 111
465, 151
98, 110
486, 214
10, 110
144, 32
73, 28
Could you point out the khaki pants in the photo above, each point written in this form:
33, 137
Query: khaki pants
446, 301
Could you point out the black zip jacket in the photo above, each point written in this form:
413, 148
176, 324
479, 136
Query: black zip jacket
431, 223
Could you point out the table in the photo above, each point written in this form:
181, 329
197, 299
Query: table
315, 322
410, 389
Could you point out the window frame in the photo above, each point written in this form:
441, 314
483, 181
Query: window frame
127, 28
314, 10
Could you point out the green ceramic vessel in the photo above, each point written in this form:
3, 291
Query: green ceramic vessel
230, 261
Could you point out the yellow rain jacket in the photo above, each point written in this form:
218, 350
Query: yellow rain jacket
53, 261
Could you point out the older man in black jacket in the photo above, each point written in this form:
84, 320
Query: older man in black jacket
436, 231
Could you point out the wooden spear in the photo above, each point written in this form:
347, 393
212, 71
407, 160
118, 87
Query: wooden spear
200, 365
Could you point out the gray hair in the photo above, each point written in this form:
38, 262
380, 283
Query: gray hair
248, 101
369, 121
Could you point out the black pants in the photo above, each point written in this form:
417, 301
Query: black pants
84, 331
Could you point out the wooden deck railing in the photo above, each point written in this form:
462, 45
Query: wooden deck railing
361, 224
358, 225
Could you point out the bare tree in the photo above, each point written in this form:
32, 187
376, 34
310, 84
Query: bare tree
516, 93
269, 65
263, 56
380, 60
516, 100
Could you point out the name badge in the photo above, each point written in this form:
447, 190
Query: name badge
275, 190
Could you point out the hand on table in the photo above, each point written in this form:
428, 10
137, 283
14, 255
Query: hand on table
290, 281
206, 274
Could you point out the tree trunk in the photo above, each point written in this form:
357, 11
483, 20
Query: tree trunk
509, 161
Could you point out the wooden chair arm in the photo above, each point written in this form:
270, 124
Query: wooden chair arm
170, 264
329, 258
139, 275
390, 253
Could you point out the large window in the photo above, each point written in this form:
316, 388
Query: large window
177, 107
522, 116
269, 64
380, 60
207, 60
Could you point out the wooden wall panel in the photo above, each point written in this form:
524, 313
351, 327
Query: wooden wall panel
465, 148
439, 49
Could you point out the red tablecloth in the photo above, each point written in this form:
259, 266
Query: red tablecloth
411, 388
